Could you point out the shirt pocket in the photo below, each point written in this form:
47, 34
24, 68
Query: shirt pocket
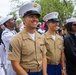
27, 49
60, 47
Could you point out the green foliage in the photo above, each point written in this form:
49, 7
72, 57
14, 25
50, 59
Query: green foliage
14, 14
18, 22
64, 8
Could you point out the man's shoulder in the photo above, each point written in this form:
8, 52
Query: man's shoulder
46, 34
5, 32
59, 37
17, 36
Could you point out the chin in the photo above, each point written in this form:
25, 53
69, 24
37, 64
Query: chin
34, 27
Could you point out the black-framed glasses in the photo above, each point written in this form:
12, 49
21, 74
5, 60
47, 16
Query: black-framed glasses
74, 24
55, 22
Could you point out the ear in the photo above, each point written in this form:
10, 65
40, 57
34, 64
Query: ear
47, 23
7, 23
23, 19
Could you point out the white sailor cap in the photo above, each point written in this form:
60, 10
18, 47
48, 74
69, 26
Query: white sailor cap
29, 9
6, 19
1, 21
70, 20
53, 16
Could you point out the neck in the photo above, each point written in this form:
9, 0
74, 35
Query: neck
30, 30
11, 28
52, 32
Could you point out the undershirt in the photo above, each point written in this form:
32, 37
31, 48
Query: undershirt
53, 36
32, 36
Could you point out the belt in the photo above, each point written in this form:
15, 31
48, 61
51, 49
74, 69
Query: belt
56, 63
32, 70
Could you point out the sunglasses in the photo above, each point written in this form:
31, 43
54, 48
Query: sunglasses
74, 24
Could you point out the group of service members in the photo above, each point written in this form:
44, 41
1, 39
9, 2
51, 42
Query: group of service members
29, 53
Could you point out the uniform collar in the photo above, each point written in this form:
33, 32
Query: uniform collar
72, 33
26, 35
48, 35
8, 29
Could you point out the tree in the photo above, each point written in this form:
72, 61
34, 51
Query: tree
63, 7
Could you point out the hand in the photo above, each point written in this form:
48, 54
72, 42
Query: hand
63, 72
44, 73
4, 49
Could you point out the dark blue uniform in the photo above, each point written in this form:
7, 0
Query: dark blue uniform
54, 69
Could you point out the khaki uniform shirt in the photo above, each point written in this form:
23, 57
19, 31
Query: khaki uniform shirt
54, 48
29, 52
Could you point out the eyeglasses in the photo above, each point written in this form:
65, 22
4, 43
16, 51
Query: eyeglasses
54, 22
74, 24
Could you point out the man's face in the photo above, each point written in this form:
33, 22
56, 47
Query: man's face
53, 26
74, 26
31, 21
11, 22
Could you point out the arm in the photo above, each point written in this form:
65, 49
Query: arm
44, 65
18, 69
14, 55
62, 59
63, 63
44, 58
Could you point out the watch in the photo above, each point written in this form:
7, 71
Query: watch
63, 68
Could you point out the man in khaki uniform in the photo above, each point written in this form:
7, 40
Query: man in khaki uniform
27, 50
54, 45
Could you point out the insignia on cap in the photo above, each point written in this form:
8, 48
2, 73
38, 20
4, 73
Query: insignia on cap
35, 5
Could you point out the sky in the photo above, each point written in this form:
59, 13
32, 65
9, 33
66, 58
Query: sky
5, 7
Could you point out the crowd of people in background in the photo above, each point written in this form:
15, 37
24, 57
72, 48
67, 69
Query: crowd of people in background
37, 48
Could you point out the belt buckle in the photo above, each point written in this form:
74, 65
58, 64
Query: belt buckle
54, 63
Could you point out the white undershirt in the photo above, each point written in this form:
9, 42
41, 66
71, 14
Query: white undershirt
32, 36
53, 36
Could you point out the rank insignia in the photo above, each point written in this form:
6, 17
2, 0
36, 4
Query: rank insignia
10, 48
